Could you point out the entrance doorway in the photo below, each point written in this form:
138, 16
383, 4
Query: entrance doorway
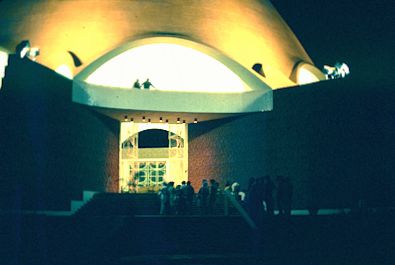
150, 154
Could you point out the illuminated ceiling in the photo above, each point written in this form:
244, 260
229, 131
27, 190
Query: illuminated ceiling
248, 32
170, 67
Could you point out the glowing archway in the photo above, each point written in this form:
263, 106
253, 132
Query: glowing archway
178, 63
170, 67
200, 88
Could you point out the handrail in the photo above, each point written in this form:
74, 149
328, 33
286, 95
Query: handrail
236, 204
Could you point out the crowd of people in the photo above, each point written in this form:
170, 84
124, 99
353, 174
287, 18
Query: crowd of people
258, 199
181, 199
176, 200
262, 193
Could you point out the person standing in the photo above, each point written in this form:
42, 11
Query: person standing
284, 195
203, 196
164, 200
268, 195
189, 193
213, 195
147, 84
179, 201
137, 84
172, 197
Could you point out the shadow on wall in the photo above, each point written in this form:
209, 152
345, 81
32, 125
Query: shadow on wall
333, 139
52, 148
204, 127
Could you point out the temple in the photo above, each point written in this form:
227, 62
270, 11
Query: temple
103, 102
231, 94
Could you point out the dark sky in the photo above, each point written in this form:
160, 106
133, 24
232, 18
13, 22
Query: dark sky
359, 33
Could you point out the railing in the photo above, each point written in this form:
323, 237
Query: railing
229, 197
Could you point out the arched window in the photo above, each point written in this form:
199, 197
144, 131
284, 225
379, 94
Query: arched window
154, 138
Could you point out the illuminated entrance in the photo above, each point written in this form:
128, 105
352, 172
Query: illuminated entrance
161, 157
161, 75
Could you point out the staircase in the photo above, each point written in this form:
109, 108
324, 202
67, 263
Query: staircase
126, 228
132, 204
121, 204
157, 239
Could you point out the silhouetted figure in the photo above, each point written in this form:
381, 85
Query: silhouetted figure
179, 201
250, 187
268, 188
260, 190
183, 184
284, 195
147, 84
251, 200
137, 84
251, 183
255, 199
164, 200
183, 204
203, 195
212, 195
189, 193
172, 197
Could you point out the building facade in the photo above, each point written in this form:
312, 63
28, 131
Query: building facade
231, 89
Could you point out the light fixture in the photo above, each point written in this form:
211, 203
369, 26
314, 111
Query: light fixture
167, 121
143, 118
149, 120
160, 119
131, 120
195, 120
178, 120
125, 118
183, 121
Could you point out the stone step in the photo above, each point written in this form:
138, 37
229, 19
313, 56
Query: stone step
160, 235
138, 204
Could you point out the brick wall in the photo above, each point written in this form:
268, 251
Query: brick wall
333, 139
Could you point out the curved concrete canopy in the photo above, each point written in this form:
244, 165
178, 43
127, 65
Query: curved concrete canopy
168, 67
250, 79
132, 101
248, 32
257, 96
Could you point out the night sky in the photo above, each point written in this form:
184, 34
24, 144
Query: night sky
359, 33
